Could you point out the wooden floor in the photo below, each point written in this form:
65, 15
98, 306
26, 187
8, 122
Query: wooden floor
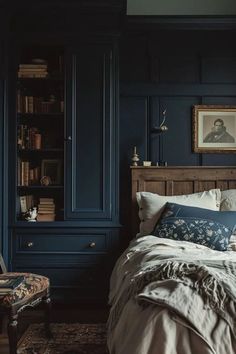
66, 314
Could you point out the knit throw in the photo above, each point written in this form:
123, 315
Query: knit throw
215, 281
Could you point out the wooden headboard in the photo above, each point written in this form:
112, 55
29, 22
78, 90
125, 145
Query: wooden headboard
178, 180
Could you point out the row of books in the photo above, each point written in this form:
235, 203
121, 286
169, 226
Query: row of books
32, 104
33, 71
28, 137
26, 202
26, 175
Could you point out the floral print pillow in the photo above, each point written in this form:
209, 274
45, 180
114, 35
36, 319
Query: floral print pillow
203, 226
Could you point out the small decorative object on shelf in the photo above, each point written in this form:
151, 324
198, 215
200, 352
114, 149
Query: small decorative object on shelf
45, 181
147, 163
31, 214
135, 157
160, 130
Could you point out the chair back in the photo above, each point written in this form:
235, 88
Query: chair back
2, 264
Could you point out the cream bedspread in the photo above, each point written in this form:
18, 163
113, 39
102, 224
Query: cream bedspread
172, 297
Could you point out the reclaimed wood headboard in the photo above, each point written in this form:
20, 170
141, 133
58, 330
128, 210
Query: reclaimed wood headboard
176, 180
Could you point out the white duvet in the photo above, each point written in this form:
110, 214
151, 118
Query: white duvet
171, 314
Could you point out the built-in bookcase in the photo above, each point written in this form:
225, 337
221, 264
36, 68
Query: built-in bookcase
40, 133
63, 163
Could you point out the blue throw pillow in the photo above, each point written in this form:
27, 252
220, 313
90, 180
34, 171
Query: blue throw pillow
203, 226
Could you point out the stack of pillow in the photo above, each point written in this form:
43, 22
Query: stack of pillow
206, 218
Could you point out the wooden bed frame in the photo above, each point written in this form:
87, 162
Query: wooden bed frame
176, 180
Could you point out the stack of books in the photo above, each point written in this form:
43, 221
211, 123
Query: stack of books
46, 209
33, 71
9, 282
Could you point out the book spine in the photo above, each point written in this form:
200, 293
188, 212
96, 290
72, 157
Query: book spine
23, 205
19, 102
33, 66
37, 141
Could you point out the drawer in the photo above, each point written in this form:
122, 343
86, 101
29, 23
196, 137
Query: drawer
56, 243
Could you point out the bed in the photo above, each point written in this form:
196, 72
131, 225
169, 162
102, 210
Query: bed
172, 290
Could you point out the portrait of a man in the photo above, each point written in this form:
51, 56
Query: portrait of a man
219, 133
214, 128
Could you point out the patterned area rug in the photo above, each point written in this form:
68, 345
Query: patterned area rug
73, 338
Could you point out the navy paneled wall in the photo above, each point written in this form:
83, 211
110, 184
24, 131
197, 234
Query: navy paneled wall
2, 137
171, 70
3, 134
1, 163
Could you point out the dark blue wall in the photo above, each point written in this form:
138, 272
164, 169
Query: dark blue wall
4, 26
172, 70
1, 160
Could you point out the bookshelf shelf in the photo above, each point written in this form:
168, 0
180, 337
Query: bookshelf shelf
42, 79
40, 132
40, 115
43, 188
27, 151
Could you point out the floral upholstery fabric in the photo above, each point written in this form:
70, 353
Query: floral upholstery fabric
31, 286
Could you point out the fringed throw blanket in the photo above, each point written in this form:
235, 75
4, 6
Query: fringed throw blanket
156, 275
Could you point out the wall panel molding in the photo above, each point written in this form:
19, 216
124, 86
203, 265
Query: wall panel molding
154, 89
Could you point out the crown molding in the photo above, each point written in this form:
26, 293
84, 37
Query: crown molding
181, 22
91, 6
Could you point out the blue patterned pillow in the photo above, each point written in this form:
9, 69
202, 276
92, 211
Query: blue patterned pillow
203, 226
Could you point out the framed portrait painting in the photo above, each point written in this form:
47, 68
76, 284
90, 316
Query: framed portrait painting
51, 169
214, 129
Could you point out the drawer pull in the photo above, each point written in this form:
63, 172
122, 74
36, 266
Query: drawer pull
30, 244
92, 244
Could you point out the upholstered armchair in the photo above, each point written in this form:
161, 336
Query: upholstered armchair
33, 290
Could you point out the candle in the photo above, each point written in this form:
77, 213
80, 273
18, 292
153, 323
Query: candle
135, 150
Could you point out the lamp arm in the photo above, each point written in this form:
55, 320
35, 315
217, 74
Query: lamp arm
162, 123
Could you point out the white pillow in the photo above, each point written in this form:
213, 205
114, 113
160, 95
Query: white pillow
151, 205
232, 243
228, 200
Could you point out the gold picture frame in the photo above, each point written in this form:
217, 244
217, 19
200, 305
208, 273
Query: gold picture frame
214, 128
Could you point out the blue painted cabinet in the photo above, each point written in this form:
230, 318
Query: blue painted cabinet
78, 261
78, 248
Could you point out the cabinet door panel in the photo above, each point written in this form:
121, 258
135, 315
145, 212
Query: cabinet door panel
73, 285
70, 278
89, 117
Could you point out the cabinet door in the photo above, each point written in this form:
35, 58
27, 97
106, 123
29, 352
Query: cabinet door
90, 140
